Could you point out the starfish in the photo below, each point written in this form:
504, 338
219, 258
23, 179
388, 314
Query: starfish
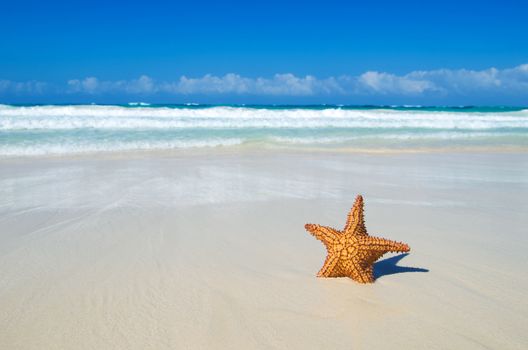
352, 252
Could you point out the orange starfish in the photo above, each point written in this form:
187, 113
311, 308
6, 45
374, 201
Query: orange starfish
352, 252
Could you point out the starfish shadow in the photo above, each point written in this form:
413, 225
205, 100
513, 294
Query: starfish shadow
388, 267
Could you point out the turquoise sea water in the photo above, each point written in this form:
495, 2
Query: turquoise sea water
32, 130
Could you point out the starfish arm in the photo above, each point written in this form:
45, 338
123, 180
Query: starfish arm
327, 235
366, 276
329, 266
355, 223
375, 244
359, 270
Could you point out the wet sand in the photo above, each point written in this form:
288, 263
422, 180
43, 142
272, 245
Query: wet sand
209, 251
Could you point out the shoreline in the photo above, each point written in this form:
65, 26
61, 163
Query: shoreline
257, 150
93, 130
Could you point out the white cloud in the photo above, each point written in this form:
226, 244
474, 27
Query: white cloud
448, 81
280, 84
92, 85
210, 84
24, 87
88, 85
287, 84
440, 82
385, 83
463, 81
143, 84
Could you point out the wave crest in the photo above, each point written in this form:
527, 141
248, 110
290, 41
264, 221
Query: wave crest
117, 117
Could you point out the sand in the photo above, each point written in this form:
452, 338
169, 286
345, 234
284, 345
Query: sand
209, 252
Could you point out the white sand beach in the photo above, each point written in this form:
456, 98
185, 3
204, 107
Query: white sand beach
176, 251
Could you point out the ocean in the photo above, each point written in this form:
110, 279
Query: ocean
36, 130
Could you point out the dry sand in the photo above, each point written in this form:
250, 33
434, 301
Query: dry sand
209, 252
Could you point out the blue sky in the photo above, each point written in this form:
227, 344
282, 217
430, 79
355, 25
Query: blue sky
384, 52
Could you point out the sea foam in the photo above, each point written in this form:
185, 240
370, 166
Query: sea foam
117, 117
66, 129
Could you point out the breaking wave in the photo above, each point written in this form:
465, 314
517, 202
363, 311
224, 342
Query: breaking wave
63, 129
117, 117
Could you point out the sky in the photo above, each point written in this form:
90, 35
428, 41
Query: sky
347, 52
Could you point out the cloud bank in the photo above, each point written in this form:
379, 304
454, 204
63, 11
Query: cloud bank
439, 83
26, 87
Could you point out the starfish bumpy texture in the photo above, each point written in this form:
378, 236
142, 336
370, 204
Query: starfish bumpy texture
352, 252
